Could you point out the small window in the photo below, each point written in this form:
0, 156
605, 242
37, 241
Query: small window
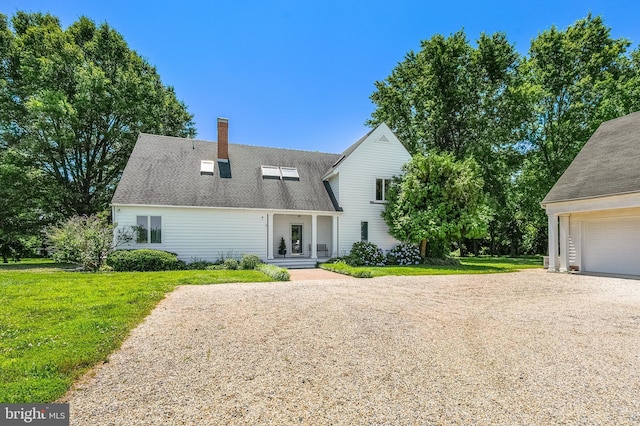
270, 172
149, 229
364, 231
206, 167
289, 173
382, 189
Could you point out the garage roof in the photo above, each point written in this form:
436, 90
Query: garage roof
608, 164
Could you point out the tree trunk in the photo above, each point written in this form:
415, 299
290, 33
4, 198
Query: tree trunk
463, 252
423, 249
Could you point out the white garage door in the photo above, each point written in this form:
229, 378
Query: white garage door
612, 246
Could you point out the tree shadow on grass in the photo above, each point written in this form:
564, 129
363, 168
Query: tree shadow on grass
38, 264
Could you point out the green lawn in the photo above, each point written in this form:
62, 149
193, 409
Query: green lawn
56, 324
469, 265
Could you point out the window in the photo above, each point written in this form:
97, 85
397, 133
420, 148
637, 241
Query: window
382, 189
364, 231
149, 229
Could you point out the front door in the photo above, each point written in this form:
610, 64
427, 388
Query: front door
296, 240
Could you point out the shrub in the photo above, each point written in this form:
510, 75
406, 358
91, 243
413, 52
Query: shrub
198, 264
404, 254
365, 253
249, 261
84, 239
275, 272
144, 260
438, 249
230, 264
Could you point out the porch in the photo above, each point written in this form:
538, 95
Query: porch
301, 239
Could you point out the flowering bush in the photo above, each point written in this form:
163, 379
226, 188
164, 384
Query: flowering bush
404, 254
365, 253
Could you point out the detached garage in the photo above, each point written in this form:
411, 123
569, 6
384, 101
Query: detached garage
594, 208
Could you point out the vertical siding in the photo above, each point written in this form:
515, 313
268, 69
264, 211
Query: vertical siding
357, 184
203, 233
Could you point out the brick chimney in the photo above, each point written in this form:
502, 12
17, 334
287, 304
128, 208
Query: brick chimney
223, 139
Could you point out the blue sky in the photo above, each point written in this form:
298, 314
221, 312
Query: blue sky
298, 74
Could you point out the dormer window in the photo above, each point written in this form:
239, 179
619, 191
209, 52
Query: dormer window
206, 167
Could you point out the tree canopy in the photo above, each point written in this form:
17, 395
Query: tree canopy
437, 199
523, 118
75, 100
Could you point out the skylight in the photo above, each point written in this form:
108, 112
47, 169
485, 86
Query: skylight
290, 173
271, 172
206, 167
283, 173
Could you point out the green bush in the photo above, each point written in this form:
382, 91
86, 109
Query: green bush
144, 260
230, 264
249, 261
438, 249
199, 264
275, 272
404, 254
364, 253
84, 239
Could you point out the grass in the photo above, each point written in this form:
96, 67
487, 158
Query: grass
55, 324
469, 265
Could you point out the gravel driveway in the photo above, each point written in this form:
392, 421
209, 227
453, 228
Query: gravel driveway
521, 348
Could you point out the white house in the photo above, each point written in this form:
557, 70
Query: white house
203, 200
597, 204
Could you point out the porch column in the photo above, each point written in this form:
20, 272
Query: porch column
334, 237
314, 236
553, 242
269, 236
564, 243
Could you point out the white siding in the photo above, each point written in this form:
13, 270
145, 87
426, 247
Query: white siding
334, 182
357, 185
202, 233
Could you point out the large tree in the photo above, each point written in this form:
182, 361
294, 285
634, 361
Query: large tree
21, 214
75, 99
571, 75
436, 200
456, 98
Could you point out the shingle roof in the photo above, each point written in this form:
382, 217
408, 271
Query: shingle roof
165, 170
608, 164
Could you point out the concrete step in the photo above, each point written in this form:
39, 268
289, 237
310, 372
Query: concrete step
289, 263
